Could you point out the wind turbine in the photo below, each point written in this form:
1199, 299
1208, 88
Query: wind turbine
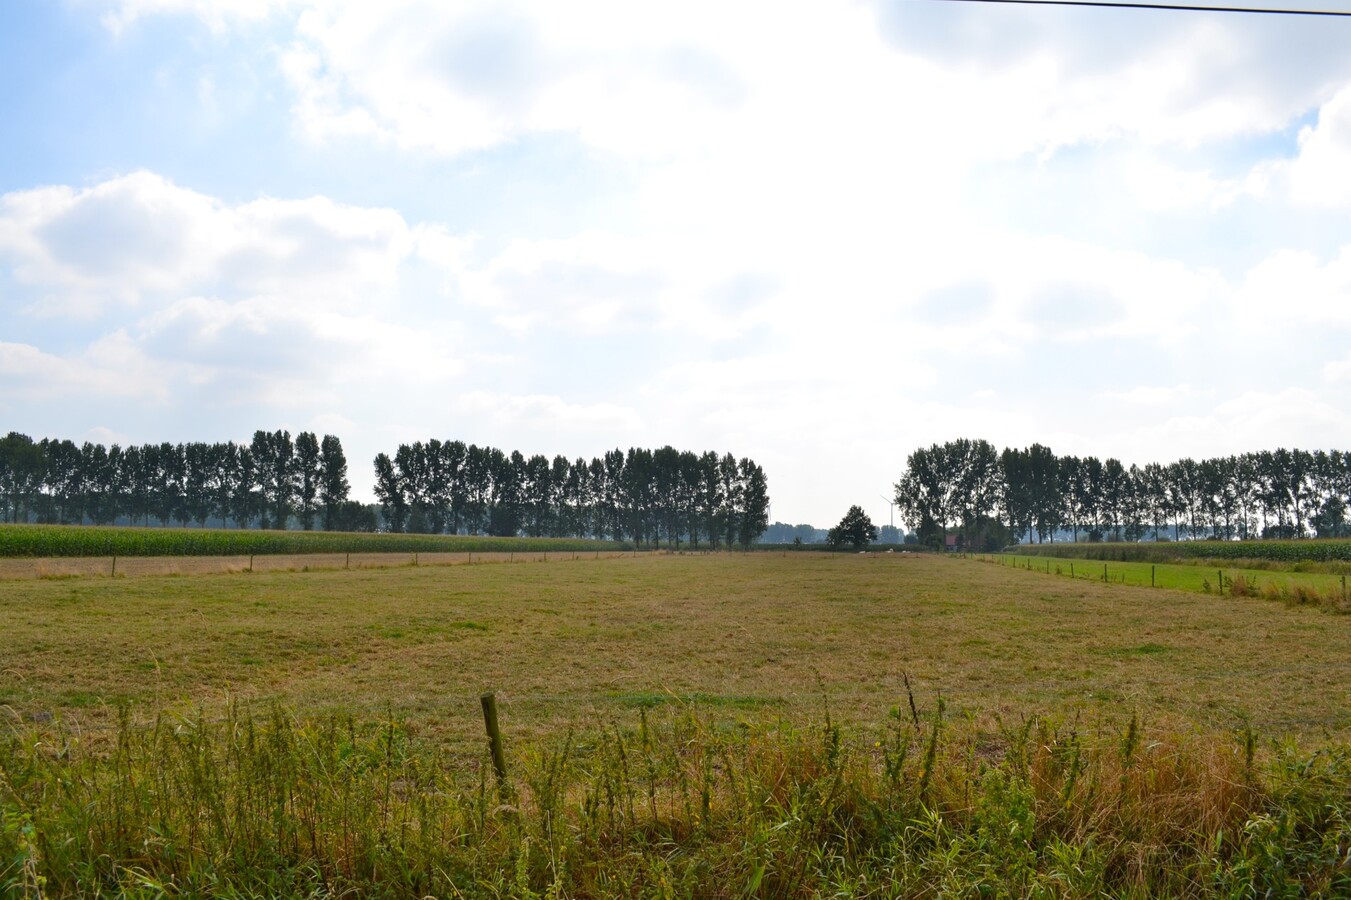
891, 504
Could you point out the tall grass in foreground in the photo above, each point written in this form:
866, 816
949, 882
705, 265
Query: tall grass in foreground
673, 806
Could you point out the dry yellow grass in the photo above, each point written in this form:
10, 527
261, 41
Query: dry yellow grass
582, 642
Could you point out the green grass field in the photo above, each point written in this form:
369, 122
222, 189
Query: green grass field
1221, 577
733, 725
1286, 554
35, 541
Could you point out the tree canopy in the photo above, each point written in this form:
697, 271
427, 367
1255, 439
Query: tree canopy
855, 529
647, 496
965, 486
275, 481
268, 482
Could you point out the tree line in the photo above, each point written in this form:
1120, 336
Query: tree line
991, 498
435, 487
268, 483
645, 496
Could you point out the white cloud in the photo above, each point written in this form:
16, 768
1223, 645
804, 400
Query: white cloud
704, 79
1337, 371
538, 414
109, 369
1321, 174
1161, 187
218, 14
135, 239
1294, 288
1152, 396
127, 236
451, 79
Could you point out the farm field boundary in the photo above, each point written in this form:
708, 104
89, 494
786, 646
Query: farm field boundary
92, 540
1284, 554
146, 566
1318, 589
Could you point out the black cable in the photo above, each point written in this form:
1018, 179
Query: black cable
1106, 4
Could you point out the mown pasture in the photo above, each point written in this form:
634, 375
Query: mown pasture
581, 641
735, 725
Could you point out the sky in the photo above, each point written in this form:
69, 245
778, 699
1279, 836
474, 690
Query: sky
818, 234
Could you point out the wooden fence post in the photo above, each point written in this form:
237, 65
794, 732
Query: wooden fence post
489, 701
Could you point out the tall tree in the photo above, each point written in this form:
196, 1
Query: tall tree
411, 472
637, 495
274, 455
308, 478
562, 490
63, 479
925, 495
246, 501
389, 490
754, 513
1088, 496
1044, 490
439, 488
708, 500
505, 515
21, 469
732, 498
1016, 496
100, 467
333, 486
199, 469
1072, 492
975, 470
1115, 496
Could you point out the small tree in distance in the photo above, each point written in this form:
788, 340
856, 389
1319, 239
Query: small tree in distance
855, 529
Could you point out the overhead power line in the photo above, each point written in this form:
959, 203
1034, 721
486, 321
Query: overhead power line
1106, 4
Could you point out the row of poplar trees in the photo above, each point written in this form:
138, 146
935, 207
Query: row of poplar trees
271, 482
991, 497
644, 496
